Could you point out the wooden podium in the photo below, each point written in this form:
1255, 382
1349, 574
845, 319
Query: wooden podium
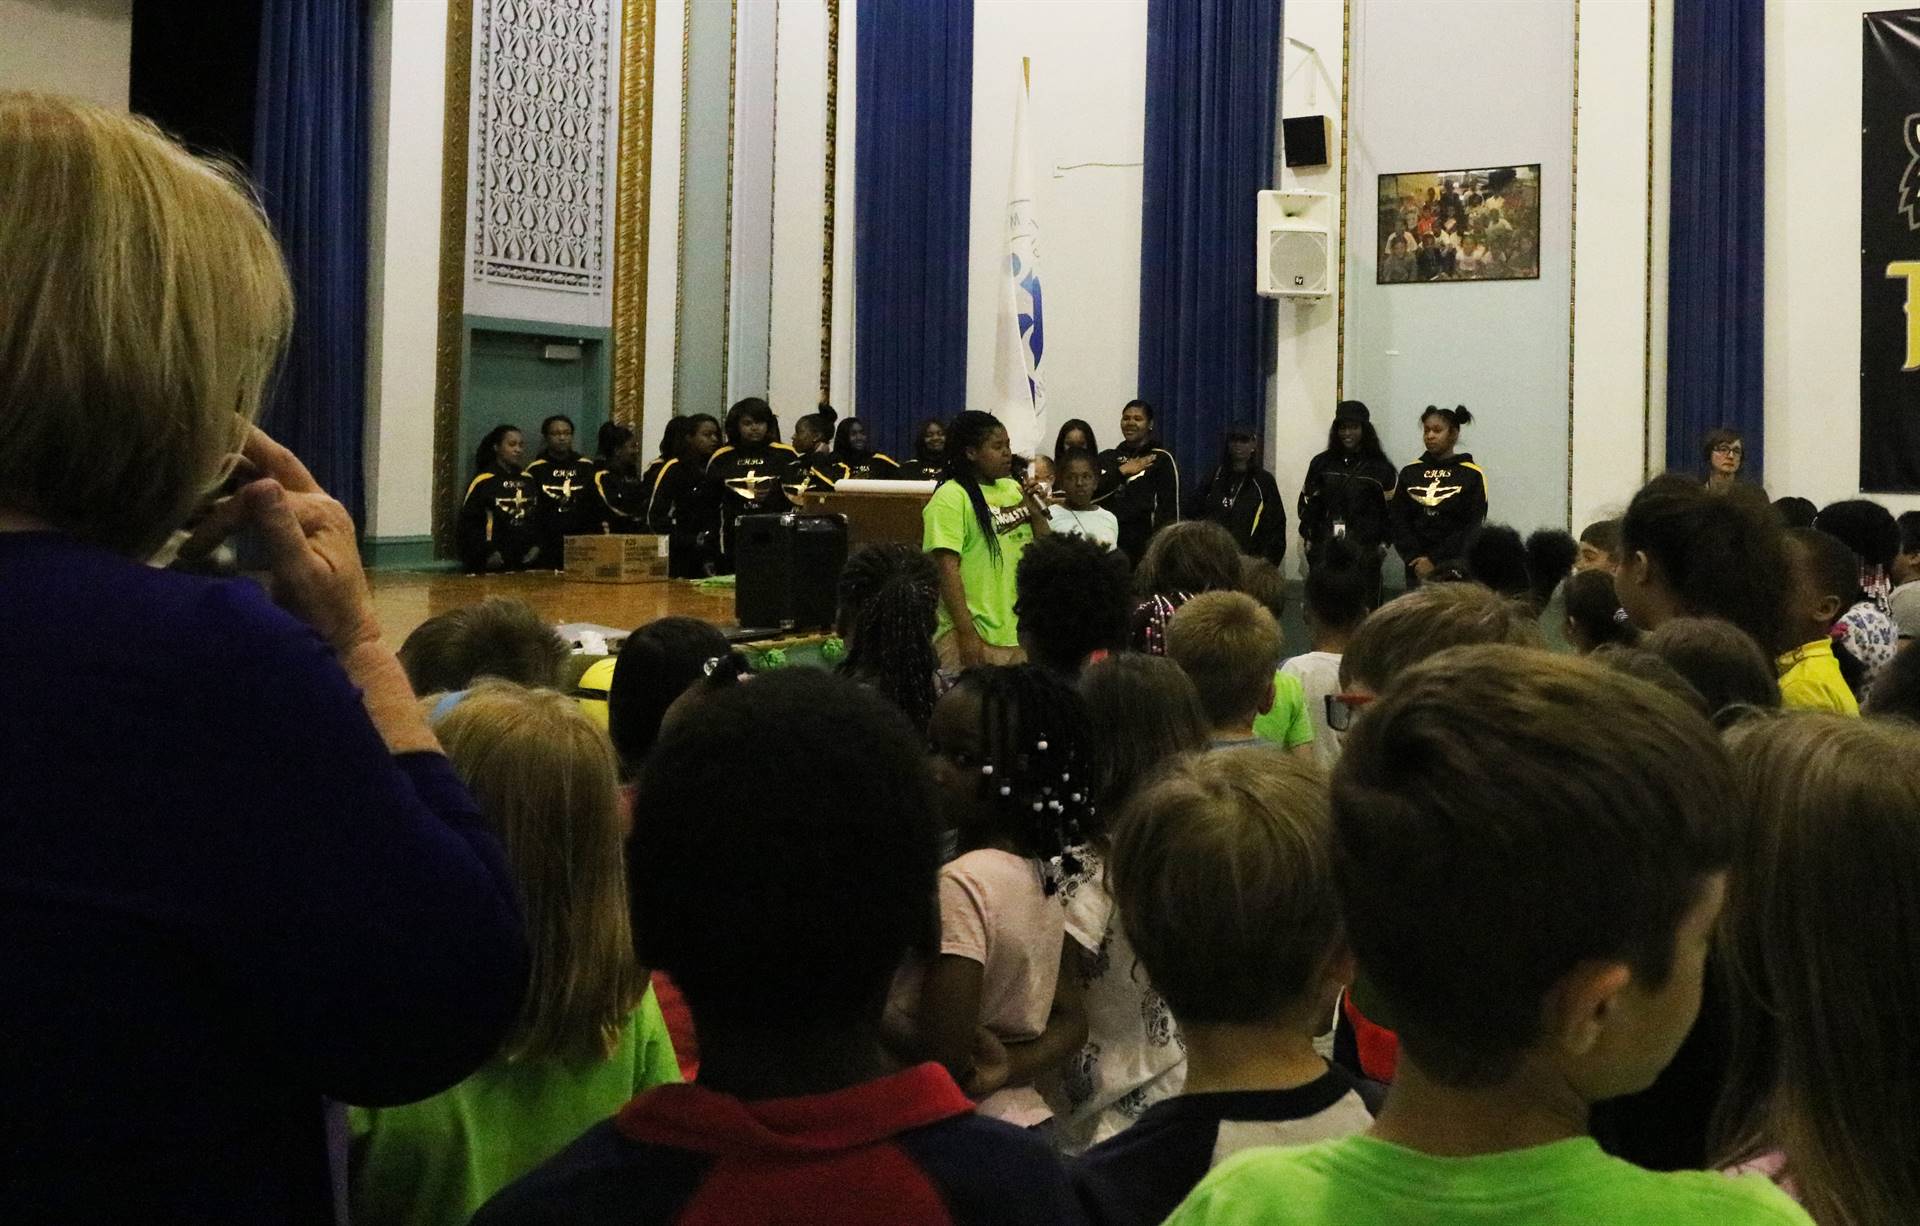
876, 511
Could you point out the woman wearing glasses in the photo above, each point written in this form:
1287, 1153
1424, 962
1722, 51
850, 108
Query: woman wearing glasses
1724, 452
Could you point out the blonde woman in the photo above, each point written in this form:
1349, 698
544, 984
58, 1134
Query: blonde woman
589, 1035
237, 876
1822, 930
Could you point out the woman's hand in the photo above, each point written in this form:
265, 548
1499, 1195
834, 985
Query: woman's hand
972, 648
1422, 567
312, 553
1133, 468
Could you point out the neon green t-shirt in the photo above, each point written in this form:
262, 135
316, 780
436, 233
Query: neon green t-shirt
1360, 1181
1286, 722
434, 1162
948, 523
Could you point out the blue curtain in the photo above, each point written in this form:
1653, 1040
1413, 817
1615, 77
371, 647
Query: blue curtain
1212, 82
913, 164
310, 161
1716, 255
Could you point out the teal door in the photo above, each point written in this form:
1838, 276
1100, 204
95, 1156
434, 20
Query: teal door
520, 378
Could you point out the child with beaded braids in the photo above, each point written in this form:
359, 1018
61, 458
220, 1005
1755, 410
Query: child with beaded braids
1000, 1003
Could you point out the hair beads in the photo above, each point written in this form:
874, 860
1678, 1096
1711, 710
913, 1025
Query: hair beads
1037, 743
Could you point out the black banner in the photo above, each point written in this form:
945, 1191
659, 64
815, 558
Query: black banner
1890, 252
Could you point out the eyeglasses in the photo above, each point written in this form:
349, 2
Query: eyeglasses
1729, 449
1342, 708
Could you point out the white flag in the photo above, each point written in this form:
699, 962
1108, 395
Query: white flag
1020, 342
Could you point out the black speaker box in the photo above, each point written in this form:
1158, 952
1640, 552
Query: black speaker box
1304, 140
786, 570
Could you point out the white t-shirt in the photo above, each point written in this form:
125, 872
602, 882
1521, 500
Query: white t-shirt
1904, 604
1097, 524
1134, 1056
1319, 675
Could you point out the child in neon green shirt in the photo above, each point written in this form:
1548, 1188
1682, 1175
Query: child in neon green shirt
1229, 645
1530, 894
590, 1035
976, 525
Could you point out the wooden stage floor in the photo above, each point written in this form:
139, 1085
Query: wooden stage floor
404, 599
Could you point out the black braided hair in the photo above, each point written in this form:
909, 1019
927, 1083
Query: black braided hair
483, 457
972, 429
888, 598
674, 436
1041, 771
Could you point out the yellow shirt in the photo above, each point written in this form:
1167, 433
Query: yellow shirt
1810, 680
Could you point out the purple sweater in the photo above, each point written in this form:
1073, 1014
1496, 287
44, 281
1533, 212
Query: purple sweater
221, 900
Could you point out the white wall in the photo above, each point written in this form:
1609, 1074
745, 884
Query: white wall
78, 47
1813, 250
1612, 274
799, 185
1088, 105
407, 110
1306, 364
1500, 348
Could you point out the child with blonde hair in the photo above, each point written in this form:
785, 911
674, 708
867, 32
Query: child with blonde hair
589, 1035
1821, 1096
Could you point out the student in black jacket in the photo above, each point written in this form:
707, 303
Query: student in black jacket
677, 499
1441, 497
747, 472
929, 462
1146, 493
1347, 491
853, 460
1242, 497
564, 480
497, 526
618, 502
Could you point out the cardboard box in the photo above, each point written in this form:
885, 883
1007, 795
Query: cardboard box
617, 559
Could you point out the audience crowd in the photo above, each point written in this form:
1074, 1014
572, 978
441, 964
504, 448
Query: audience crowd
1569, 885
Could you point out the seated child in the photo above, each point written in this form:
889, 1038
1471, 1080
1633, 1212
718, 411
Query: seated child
1339, 597
1072, 597
590, 1034
1424, 623
1077, 478
1594, 616
1230, 647
655, 665
1818, 1100
1143, 713
1530, 892
1825, 578
1903, 602
1599, 547
1223, 877
1722, 662
499, 637
783, 923
888, 598
1181, 561
1000, 1003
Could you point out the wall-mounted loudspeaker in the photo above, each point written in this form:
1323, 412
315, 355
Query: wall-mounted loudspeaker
1294, 257
1303, 139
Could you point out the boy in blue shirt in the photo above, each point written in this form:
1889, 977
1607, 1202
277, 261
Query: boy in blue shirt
1530, 892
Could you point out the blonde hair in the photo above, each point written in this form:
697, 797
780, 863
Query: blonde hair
143, 305
1821, 933
1229, 644
545, 778
1222, 870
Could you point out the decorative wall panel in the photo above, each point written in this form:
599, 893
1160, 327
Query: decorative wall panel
543, 140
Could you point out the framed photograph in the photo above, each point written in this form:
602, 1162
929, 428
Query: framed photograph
1460, 225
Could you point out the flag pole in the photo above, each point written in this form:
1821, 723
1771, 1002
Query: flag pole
1026, 72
